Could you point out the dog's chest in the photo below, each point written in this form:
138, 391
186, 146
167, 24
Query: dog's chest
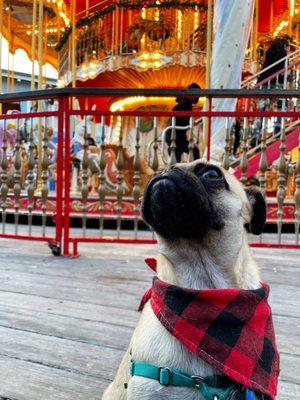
153, 344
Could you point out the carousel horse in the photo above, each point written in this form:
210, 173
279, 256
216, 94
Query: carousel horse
86, 129
8, 134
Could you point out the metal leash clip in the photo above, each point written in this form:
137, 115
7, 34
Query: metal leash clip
198, 380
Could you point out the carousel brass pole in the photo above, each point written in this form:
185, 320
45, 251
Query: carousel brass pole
12, 79
255, 29
271, 17
117, 29
73, 58
209, 42
40, 84
8, 54
209, 36
45, 45
73, 41
291, 15
1, 37
12, 76
33, 43
40, 42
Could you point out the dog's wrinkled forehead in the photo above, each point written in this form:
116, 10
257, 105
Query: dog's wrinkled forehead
232, 184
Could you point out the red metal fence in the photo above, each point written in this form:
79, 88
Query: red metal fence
88, 167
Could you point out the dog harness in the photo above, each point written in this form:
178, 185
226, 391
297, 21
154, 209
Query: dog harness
230, 329
216, 387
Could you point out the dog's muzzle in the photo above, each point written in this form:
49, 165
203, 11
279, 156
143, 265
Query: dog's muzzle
177, 205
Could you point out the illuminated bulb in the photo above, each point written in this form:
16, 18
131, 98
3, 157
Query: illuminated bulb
196, 18
292, 8
92, 74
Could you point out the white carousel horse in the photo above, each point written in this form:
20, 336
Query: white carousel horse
86, 128
9, 134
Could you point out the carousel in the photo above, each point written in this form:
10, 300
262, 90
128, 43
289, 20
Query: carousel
125, 44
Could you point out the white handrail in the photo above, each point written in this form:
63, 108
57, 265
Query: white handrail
161, 138
285, 59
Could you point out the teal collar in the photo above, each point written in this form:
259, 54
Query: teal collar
215, 387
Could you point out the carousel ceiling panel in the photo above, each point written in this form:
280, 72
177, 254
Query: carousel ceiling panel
18, 31
175, 76
21, 10
170, 77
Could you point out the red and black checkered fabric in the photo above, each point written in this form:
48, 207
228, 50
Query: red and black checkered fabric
230, 329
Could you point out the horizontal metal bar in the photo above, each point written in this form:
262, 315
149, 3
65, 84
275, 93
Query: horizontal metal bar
117, 92
271, 77
291, 114
253, 77
45, 239
154, 241
108, 239
29, 115
275, 245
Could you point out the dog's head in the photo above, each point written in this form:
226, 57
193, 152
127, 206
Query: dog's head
199, 201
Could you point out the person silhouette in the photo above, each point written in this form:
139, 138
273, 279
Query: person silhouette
181, 139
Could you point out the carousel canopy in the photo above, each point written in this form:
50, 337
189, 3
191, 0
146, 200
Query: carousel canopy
266, 9
17, 26
95, 25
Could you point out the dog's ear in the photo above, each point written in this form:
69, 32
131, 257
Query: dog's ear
259, 210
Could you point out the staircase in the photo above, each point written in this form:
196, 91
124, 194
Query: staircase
292, 129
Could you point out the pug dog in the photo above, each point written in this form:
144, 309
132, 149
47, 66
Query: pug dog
201, 215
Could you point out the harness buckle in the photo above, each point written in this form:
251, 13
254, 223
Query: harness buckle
198, 380
164, 376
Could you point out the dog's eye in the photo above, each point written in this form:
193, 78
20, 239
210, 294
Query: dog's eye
212, 174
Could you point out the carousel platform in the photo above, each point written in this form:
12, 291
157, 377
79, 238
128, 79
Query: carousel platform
65, 323
111, 207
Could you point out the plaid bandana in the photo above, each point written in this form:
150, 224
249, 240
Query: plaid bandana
230, 329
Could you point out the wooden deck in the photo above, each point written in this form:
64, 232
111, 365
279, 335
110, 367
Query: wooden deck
64, 323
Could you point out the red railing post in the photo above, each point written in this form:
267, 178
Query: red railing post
59, 174
67, 177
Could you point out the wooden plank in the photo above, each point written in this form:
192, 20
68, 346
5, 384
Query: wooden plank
282, 298
77, 329
92, 312
82, 329
23, 380
288, 391
86, 359
65, 322
290, 326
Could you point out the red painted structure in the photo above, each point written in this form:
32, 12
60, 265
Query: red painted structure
63, 202
265, 9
